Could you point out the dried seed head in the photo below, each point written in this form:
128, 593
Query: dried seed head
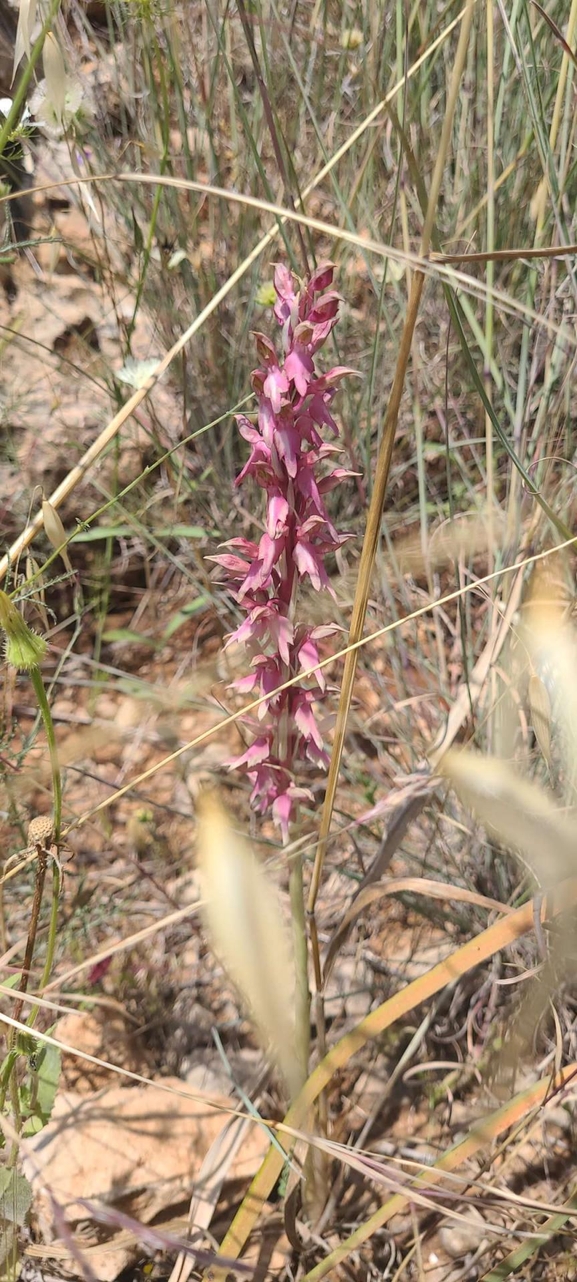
40, 831
24, 649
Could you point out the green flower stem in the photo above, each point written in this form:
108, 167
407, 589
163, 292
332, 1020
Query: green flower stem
299, 930
57, 824
13, 118
44, 707
9, 1077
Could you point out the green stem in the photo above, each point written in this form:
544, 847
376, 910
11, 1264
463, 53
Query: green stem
51, 740
13, 118
302, 996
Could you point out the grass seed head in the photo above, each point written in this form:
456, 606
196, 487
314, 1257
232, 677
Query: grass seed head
247, 931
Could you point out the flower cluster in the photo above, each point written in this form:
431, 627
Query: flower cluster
294, 465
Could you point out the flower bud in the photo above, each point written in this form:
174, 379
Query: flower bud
24, 649
55, 532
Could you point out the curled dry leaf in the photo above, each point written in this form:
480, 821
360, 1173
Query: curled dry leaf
246, 928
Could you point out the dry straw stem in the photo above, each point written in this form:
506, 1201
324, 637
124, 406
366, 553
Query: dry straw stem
395, 886
374, 516
485, 1133
472, 954
427, 264
333, 658
77, 473
67, 1049
513, 1262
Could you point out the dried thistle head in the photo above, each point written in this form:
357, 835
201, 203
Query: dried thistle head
41, 831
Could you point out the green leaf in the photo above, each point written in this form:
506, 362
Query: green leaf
15, 1197
12, 981
42, 1087
182, 532
194, 607
99, 532
103, 532
125, 635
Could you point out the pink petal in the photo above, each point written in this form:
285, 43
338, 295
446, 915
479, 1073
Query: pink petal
246, 428
303, 715
308, 562
283, 282
276, 517
299, 368
287, 441
258, 752
281, 813
270, 551
255, 578
308, 657
281, 631
233, 564
334, 375
265, 349
325, 307
275, 385
335, 477
322, 278
244, 685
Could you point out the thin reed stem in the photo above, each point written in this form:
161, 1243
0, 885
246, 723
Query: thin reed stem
302, 995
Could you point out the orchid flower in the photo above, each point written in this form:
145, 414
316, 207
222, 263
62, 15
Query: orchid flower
296, 468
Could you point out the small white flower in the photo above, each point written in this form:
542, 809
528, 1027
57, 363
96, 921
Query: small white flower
56, 118
136, 373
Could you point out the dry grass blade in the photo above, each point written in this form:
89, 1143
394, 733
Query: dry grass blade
209, 1181
526, 1250
374, 515
388, 628
246, 928
570, 53
76, 474
47, 1040
395, 886
424, 263
464, 959
471, 689
477, 1139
